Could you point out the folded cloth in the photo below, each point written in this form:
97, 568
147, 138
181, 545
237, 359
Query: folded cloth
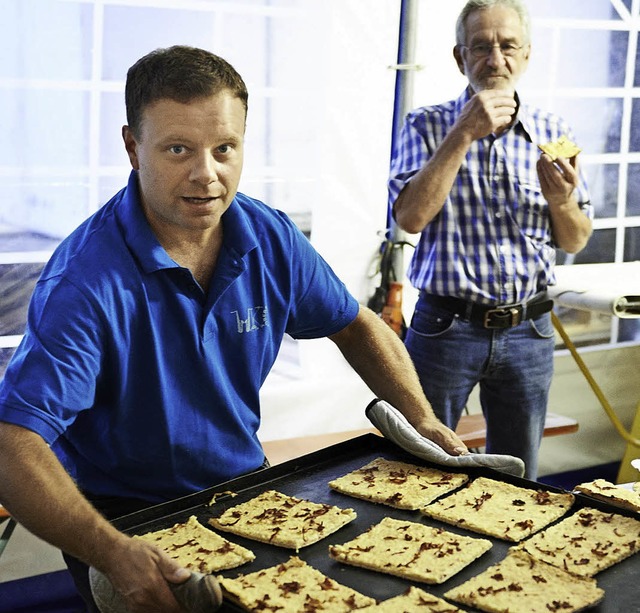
396, 428
198, 594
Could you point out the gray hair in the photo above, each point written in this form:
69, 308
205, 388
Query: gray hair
475, 5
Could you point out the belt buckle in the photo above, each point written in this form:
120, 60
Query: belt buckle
507, 317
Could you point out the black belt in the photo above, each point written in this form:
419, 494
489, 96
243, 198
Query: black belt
504, 316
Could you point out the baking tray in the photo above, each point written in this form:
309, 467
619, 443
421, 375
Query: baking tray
307, 477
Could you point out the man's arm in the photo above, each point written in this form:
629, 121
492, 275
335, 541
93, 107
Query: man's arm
40, 495
380, 358
570, 227
423, 197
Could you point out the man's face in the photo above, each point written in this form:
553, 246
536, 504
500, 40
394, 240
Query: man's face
189, 160
495, 28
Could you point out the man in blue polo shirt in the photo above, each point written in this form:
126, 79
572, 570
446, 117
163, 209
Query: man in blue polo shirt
154, 326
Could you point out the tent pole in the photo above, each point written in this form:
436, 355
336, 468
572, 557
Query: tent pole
403, 102
391, 251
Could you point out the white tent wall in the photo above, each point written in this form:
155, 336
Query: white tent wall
324, 394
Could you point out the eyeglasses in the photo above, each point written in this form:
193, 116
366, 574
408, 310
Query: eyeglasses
482, 50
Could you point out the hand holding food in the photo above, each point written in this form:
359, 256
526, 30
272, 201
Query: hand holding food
560, 148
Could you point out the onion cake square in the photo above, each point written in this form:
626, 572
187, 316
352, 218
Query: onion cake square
285, 521
398, 484
411, 550
500, 509
291, 586
198, 548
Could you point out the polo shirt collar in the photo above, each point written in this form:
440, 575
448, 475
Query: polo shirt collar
137, 232
239, 234
239, 231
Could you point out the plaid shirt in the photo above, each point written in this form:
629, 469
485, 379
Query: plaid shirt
491, 242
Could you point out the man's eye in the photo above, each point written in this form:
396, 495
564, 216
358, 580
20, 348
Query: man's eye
177, 149
482, 49
224, 148
509, 48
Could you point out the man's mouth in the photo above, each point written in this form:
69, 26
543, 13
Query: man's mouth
199, 200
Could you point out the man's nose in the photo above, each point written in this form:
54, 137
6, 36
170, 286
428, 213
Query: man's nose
495, 57
205, 169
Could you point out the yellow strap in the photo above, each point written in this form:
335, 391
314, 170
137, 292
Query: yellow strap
627, 436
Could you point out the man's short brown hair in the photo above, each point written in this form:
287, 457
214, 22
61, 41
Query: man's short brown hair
179, 73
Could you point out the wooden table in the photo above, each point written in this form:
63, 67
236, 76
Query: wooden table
471, 430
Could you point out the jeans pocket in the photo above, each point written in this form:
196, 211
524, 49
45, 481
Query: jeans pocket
542, 326
432, 321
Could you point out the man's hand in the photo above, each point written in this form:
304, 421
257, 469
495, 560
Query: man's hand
558, 179
489, 111
442, 436
141, 574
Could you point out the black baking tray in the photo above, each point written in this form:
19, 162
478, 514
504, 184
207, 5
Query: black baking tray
307, 477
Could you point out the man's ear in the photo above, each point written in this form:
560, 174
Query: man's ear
457, 54
130, 145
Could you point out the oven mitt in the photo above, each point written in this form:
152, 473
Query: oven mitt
396, 428
198, 594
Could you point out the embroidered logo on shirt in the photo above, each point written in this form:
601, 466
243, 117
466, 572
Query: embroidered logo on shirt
256, 319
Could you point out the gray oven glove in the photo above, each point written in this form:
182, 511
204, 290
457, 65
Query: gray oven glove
198, 594
396, 428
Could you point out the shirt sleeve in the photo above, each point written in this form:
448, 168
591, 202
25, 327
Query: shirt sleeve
409, 156
322, 305
52, 376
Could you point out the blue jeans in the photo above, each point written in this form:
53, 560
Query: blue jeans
513, 367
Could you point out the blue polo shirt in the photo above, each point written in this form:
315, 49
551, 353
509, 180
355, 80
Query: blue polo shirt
144, 385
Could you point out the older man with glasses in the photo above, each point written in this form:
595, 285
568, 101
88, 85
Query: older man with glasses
491, 211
